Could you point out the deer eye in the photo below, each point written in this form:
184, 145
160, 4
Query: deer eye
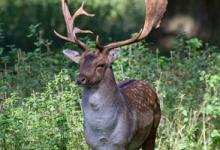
100, 66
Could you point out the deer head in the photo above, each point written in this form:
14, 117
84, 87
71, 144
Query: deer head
93, 64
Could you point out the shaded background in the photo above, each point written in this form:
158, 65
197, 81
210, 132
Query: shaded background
115, 20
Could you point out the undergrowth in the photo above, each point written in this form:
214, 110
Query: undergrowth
40, 103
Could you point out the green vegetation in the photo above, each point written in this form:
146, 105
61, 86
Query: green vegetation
40, 103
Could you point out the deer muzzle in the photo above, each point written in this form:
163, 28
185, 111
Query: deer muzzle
81, 79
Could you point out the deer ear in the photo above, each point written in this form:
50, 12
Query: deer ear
113, 54
73, 55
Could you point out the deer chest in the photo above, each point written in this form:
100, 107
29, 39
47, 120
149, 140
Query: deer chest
99, 114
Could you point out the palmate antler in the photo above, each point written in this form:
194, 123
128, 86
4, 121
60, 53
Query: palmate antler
70, 25
154, 12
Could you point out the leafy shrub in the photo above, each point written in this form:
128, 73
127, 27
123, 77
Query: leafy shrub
48, 120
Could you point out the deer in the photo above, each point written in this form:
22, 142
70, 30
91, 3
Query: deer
117, 116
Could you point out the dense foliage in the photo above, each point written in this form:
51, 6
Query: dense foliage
40, 103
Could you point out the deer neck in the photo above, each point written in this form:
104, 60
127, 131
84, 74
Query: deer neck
106, 94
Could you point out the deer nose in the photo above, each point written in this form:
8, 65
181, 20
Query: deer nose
81, 79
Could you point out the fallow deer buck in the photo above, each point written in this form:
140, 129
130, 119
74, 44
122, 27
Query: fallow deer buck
122, 116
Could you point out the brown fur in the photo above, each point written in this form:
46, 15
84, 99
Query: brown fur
141, 97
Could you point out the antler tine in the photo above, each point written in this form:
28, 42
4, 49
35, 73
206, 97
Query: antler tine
70, 25
155, 10
81, 11
98, 45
